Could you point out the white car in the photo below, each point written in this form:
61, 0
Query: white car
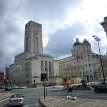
16, 100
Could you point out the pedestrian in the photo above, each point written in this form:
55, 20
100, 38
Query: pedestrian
69, 91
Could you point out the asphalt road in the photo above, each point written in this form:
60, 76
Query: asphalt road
32, 95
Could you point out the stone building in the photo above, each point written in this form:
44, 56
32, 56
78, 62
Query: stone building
104, 24
83, 63
1, 77
66, 68
29, 65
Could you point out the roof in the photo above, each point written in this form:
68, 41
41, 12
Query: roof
77, 42
85, 42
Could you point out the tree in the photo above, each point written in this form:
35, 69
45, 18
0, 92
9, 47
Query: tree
27, 82
84, 83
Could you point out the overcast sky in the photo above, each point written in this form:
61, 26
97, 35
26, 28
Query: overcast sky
62, 20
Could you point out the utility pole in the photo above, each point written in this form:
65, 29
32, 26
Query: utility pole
98, 39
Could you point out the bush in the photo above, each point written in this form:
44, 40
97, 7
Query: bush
33, 85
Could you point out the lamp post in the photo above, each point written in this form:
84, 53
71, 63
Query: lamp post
98, 39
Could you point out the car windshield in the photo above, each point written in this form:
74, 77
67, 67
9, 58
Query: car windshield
16, 96
12, 96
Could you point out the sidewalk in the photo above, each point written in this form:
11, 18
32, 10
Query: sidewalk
4, 95
59, 101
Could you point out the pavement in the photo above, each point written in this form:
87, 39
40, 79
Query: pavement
60, 101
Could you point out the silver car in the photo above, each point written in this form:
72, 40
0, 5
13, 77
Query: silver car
16, 100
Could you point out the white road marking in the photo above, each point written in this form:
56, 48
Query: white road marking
31, 105
4, 100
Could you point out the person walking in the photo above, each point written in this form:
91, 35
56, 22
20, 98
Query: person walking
69, 91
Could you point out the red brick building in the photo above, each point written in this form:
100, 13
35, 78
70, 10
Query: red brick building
1, 78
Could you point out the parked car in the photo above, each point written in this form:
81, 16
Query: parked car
23, 87
16, 100
15, 87
8, 88
102, 87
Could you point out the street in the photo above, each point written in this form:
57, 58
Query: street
32, 94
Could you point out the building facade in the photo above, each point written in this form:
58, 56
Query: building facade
29, 65
7, 73
104, 24
1, 78
83, 64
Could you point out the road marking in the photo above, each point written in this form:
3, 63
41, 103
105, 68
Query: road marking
4, 100
31, 105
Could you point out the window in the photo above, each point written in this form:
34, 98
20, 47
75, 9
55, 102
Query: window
42, 67
49, 66
89, 65
46, 67
26, 44
37, 44
27, 74
28, 66
89, 60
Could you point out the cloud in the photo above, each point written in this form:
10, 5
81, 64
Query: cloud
40, 9
47, 9
62, 21
61, 42
15, 14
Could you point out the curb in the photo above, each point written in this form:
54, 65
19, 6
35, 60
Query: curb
40, 103
55, 101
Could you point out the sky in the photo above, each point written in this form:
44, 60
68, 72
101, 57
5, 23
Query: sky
62, 20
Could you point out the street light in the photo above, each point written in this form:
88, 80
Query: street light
98, 39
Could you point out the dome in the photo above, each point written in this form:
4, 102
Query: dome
85, 42
77, 42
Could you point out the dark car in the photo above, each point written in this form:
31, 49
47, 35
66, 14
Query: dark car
8, 88
102, 87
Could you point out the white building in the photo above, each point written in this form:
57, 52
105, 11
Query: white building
29, 65
83, 63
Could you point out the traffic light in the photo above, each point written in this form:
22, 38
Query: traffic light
44, 77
